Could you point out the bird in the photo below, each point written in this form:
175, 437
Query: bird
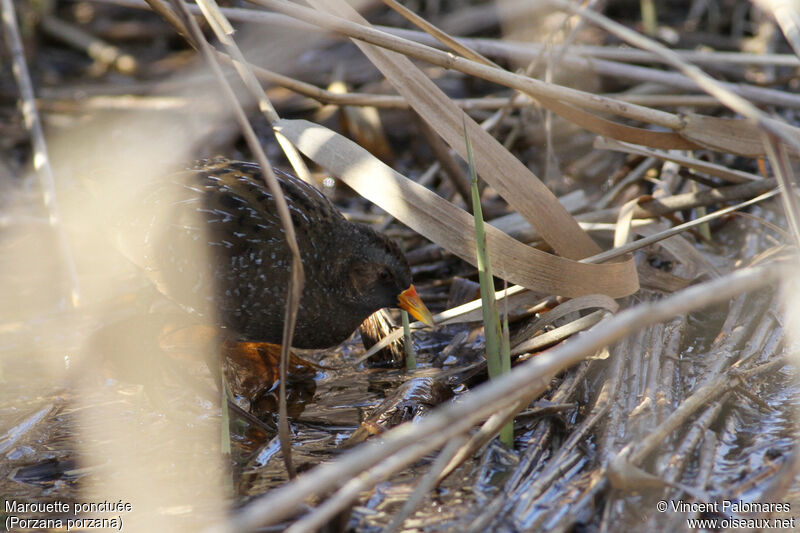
211, 239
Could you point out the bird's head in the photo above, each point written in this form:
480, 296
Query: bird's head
379, 276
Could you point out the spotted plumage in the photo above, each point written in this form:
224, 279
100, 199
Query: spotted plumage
213, 242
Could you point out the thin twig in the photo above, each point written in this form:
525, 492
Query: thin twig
224, 32
296, 279
660, 236
41, 161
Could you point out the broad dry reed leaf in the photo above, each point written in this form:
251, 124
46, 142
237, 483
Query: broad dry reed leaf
497, 166
451, 227
788, 18
733, 135
665, 140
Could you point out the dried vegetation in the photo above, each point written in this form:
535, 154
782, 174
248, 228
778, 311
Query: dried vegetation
634, 164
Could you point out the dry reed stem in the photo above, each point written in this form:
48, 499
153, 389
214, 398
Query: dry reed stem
557, 96
41, 160
577, 55
551, 94
526, 381
296, 279
711, 169
509, 49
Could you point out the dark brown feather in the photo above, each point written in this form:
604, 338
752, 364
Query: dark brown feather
213, 243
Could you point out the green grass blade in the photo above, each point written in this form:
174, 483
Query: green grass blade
491, 317
408, 344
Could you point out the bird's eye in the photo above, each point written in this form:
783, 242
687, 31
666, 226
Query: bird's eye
384, 274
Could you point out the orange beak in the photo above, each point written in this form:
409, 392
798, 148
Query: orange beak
410, 301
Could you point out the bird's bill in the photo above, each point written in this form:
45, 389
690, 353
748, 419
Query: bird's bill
411, 302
